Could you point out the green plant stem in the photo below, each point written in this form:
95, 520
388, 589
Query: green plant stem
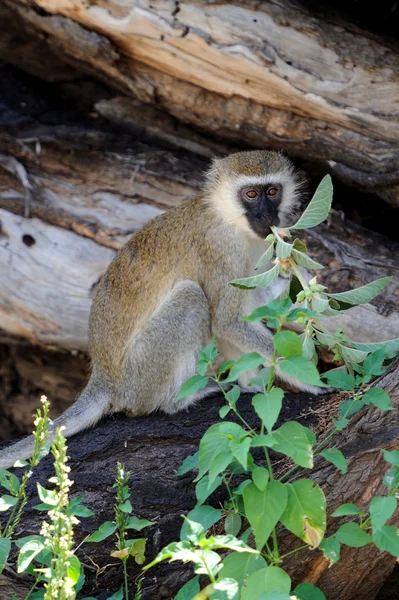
294, 551
233, 408
17, 510
125, 578
230, 494
298, 274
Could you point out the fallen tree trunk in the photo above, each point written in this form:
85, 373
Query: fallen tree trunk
152, 448
256, 74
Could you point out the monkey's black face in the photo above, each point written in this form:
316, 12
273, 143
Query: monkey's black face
261, 204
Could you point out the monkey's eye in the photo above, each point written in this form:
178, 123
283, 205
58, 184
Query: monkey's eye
272, 191
251, 194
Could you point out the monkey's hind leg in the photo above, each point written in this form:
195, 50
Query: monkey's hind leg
163, 356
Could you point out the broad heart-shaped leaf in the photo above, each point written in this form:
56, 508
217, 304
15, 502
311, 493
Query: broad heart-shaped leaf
303, 369
391, 347
292, 439
304, 260
378, 397
204, 515
339, 379
189, 589
266, 257
387, 538
203, 489
305, 513
190, 463
192, 385
28, 553
287, 343
138, 524
352, 355
319, 206
346, 509
104, 531
331, 549
5, 547
364, 294
268, 406
381, 510
264, 509
308, 591
351, 534
240, 450
268, 579
215, 441
219, 464
392, 457
246, 362
240, 565
335, 456
263, 280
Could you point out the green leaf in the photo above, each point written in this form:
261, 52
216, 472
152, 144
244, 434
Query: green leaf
77, 509
304, 260
219, 464
246, 362
308, 591
138, 524
263, 280
303, 369
364, 294
392, 457
7, 502
331, 549
126, 507
203, 489
268, 406
335, 456
318, 208
264, 509
225, 589
352, 355
190, 463
262, 378
232, 524
104, 531
381, 510
204, 515
216, 441
269, 579
20, 463
266, 257
28, 552
387, 539
305, 514
283, 248
260, 477
137, 549
74, 567
192, 385
233, 394
9, 481
292, 439
240, 565
378, 397
189, 589
341, 424
288, 344
340, 379
5, 547
224, 411
175, 551
47, 496
391, 479
210, 351
390, 347
119, 595
240, 450
347, 408
351, 534
327, 339
346, 509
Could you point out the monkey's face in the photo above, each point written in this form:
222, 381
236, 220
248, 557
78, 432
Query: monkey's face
261, 203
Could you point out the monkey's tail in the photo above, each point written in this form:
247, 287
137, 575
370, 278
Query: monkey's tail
87, 409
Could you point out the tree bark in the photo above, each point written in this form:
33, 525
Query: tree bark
274, 74
153, 447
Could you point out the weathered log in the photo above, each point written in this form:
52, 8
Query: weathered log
152, 448
261, 74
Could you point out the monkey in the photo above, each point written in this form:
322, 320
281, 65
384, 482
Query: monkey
167, 292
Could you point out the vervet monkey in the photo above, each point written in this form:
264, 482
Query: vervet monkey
167, 291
